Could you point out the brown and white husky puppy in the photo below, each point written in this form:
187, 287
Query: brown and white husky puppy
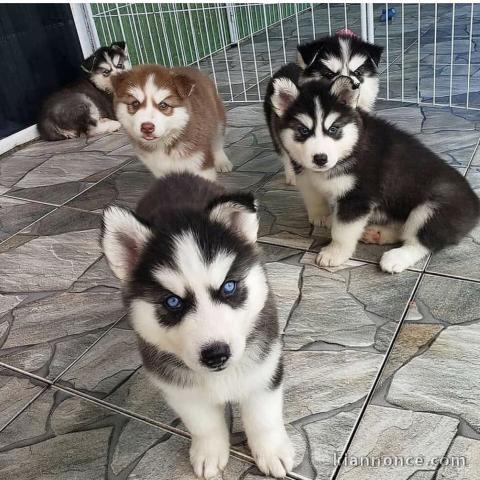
175, 119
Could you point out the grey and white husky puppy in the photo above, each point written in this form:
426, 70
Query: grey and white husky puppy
204, 315
86, 106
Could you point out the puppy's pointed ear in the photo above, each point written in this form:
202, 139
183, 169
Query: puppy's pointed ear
89, 63
374, 52
118, 45
342, 89
183, 84
285, 93
307, 53
123, 239
238, 212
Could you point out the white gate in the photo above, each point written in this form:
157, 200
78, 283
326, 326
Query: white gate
430, 56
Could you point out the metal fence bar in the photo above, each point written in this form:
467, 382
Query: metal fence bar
241, 60
210, 49
451, 56
313, 21
253, 50
418, 57
470, 56
283, 33
435, 55
194, 37
329, 19
296, 22
387, 50
403, 52
268, 40
224, 44
165, 36
363, 21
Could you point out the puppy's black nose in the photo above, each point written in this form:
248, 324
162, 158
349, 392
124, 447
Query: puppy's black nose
320, 159
215, 355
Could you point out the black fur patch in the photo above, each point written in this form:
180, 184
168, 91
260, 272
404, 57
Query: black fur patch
277, 377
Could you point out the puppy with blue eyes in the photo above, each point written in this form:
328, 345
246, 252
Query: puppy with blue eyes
204, 315
384, 186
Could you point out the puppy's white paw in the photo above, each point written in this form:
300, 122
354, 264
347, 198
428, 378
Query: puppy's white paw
108, 125
332, 255
396, 260
209, 456
321, 221
290, 178
273, 454
222, 163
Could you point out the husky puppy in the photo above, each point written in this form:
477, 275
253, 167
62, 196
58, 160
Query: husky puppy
325, 59
343, 55
85, 107
204, 315
371, 171
174, 118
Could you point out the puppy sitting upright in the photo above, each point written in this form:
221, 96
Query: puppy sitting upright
201, 307
372, 172
174, 118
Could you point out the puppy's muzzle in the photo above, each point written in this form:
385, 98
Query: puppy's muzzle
215, 355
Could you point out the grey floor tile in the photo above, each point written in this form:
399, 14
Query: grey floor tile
125, 187
64, 437
57, 294
16, 214
16, 391
425, 403
59, 177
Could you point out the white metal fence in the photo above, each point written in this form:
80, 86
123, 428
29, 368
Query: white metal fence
431, 55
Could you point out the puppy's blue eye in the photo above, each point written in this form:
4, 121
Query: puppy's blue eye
303, 131
173, 303
333, 130
228, 288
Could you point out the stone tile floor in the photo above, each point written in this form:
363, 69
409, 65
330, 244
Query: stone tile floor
376, 365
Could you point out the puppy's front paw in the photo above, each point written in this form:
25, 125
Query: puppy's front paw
290, 178
397, 260
222, 163
273, 454
332, 255
321, 221
209, 456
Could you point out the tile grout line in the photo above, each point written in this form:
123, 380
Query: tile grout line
85, 352
33, 399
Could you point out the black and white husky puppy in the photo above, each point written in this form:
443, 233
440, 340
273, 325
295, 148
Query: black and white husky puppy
325, 59
343, 55
86, 106
372, 172
205, 318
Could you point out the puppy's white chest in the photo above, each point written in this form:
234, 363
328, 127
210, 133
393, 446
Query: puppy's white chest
161, 163
331, 188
